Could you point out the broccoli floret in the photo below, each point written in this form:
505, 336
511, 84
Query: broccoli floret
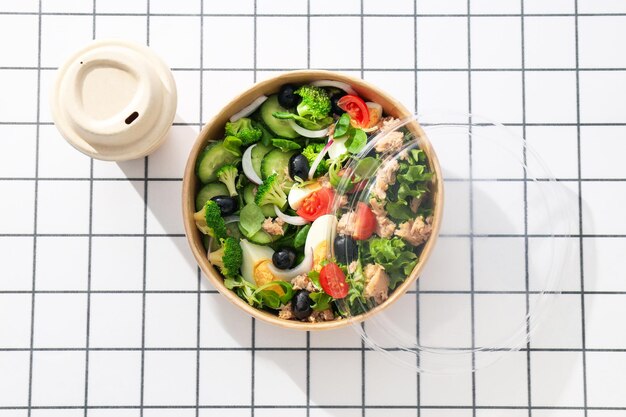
233, 144
315, 102
209, 220
227, 175
311, 152
270, 192
228, 258
245, 129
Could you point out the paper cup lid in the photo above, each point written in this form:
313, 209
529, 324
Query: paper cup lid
497, 264
114, 100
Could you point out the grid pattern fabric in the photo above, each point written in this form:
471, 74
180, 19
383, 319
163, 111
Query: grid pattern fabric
103, 311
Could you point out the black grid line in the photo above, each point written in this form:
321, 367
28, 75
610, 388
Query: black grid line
450, 292
89, 254
253, 324
580, 212
442, 235
510, 124
355, 69
297, 349
308, 334
363, 381
167, 179
320, 407
417, 282
37, 137
145, 249
424, 15
525, 189
471, 207
199, 272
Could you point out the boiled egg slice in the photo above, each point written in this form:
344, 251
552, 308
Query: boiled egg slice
299, 193
254, 264
320, 237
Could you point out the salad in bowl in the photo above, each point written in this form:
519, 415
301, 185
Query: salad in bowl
313, 203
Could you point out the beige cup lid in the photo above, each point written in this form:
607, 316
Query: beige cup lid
114, 100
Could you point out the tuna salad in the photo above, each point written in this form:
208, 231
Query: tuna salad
301, 214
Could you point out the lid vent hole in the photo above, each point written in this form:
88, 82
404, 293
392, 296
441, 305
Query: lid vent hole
132, 117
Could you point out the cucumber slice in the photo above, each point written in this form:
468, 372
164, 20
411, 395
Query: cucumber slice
232, 230
248, 197
209, 191
277, 162
248, 194
261, 237
258, 152
278, 126
212, 158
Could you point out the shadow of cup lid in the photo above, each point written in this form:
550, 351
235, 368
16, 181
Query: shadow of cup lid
114, 100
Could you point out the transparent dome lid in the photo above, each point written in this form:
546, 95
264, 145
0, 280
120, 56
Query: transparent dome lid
486, 223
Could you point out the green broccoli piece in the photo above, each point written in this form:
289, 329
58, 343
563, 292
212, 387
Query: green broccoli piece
233, 145
311, 152
270, 192
245, 129
228, 258
227, 175
315, 103
209, 220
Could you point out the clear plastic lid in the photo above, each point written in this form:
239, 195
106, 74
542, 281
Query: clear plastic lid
496, 224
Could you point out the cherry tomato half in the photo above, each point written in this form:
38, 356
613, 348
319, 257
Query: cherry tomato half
316, 204
333, 281
365, 222
356, 108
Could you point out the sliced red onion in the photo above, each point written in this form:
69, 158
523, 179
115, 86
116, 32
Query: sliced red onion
246, 162
288, 274
249, 109
306, 132
319, 158
337, 84
295, 220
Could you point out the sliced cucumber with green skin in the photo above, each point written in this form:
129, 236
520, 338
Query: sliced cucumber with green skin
261, 237
248, 197
257, 154
232, 230
278, 126
212, 158
209, 191
277, 162
248, 194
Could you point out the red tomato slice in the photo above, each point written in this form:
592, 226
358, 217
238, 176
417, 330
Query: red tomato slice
356, 108
365, 222
333, 281
316, 204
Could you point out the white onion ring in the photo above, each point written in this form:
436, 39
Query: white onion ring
295, 220
337, 84
319, 158
249, 109
288, 274
306, 132
246, 163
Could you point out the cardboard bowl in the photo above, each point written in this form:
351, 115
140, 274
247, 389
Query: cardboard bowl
214, 130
